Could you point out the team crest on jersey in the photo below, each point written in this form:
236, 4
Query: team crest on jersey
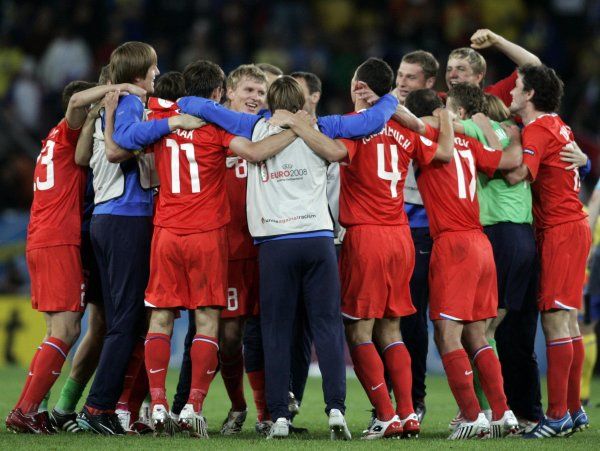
528, 151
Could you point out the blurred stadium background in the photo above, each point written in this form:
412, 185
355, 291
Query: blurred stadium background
45, 44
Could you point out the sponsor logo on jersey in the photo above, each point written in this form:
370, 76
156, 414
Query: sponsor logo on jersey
286, 220
287, 173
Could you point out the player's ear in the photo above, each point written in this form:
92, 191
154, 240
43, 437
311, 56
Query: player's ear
315, 97
430, 82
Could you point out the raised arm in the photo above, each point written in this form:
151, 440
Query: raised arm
512, 157
362, 124
445, 150
485, 38
240, 124
83, 151
264, 149
76, 110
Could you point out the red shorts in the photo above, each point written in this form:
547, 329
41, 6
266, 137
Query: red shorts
376, 265
56, 279
462, 277
187, 271
242, 291
563, 251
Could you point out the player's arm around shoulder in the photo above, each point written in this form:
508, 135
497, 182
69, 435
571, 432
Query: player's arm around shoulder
445, 149
303, 125
83, 151
255, 152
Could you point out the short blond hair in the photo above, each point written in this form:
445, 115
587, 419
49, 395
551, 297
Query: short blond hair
285, 93
473, 57
250, 71
131, 60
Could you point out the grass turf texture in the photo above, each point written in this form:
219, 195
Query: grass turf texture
440, 404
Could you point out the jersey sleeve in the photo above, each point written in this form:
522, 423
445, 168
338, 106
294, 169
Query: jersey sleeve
352, 147
425, 149
71, 134
364, 123
431, 133
131, 132
534, 140
487, 159
239, 124
502, 88
226, 138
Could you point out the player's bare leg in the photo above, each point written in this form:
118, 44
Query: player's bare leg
157, 356
232, 370
369, 369
204, 355
397, 362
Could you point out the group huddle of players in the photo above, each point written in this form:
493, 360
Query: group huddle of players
235, 212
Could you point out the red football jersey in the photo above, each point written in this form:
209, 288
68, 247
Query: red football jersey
555, 191
191, 169
502, 88
58, 189
241, 244
372, 184
449, 190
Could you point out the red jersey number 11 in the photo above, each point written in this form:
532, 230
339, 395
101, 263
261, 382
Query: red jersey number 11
188, 148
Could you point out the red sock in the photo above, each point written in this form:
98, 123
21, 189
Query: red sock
138, 393
490, 376
573, 399
460, 378
369, 370
397, 363
158, 353
29, 376
232, 371
204, 355
48, 363
560, 356
257, 383
135, 362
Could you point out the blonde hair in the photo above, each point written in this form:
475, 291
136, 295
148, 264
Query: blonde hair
495, 108
285, 93
474, 58
251, 71
130, 61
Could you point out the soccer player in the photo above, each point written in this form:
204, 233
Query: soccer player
417, 70
564, 239
272, 72
53, 241
120, 230
460, 305
378, 255
191, 214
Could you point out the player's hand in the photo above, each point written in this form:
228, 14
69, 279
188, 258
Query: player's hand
513, 132
306, 118
439, 112
573, 154
282, 118
484, 38
363, 92
129, 88
94, 111
185, 122
111, 100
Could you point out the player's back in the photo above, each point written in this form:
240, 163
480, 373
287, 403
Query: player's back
191, 168
449, 190
58, 185
555, 190
372, 181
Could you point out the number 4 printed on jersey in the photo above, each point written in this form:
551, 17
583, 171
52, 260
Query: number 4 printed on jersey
188, 148
394, 176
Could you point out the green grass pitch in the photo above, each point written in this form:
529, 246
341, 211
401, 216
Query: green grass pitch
440, 404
